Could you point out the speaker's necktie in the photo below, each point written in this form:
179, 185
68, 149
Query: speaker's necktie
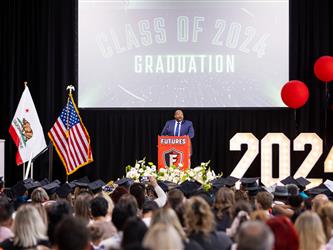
177, 132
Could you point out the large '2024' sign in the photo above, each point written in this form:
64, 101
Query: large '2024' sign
283, 142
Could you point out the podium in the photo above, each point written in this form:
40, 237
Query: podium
174, 150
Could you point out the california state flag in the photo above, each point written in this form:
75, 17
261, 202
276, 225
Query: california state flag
26, 129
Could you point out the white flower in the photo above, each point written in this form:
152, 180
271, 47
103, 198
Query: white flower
162, 170
197, 169
180, 165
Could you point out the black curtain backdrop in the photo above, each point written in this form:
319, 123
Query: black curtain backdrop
38, 44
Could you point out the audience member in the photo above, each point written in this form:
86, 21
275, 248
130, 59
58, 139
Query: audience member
285, 234
6, 219
255, 235
72, 234
162, 236
29, 230
224, 202
200, 225
310, 231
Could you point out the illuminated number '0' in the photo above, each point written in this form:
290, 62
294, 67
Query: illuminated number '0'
267, 158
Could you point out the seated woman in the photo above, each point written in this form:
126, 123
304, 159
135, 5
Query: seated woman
29, 231
200, 225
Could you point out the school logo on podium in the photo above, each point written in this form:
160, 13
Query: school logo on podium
173, 157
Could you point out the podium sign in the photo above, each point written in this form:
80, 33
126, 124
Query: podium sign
174, 150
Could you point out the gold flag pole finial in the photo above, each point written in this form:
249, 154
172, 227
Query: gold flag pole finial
71, 88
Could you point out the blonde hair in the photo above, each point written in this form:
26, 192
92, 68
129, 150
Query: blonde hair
169, 217
29, 227
39, 195
198, 216
326, 215
318, 201
162, 236
259, 215
310, 231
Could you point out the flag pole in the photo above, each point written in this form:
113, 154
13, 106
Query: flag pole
70, 88
23, 171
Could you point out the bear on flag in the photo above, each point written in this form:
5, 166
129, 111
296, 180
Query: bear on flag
26, 130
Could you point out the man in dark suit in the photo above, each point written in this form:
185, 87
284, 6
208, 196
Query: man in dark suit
178, 126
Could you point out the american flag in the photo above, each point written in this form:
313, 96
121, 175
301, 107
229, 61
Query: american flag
71, 139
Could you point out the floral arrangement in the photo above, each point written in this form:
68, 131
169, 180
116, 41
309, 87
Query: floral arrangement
202, 174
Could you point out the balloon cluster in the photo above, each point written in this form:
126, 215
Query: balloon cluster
295, 93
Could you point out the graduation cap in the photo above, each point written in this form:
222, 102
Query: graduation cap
30, 186
321, 189
230, 181
82, 182
218, 182
301, 182
250, 184
57, 181
168, 185
124, 182
51, 188
64, 190
96, 186
28, 180
44, 182
189, 187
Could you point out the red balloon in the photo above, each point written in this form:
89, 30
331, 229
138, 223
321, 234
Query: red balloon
323, 68
295, 94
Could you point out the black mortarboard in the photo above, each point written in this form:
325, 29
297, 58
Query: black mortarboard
32, 185
218, 182
51, 188
289, 180
96, 186
19, 189
302, 182
64, 190
28, 180
250, 183
230, 181
124, 182
71, 184
57, 181
189, 187
44, 182
168, 185
82, 182
316, 190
